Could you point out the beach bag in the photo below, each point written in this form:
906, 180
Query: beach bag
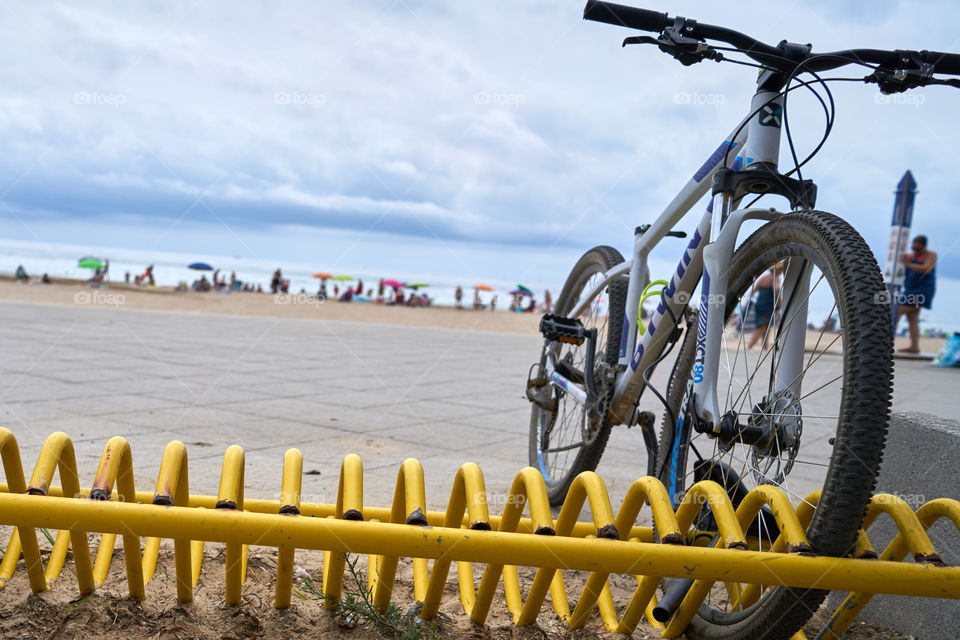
949, 354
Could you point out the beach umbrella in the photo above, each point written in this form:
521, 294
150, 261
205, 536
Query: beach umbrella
200, 266
323, 274
342, 277
416, 285
521, 292
525, 290
483, 287
90, 263
396, 284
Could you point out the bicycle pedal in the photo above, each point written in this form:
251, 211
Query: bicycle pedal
566, 330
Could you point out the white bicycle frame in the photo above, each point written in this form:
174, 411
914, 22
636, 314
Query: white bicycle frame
708, 254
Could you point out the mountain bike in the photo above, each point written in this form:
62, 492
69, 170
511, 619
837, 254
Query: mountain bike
808, 410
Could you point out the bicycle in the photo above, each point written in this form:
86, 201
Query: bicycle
598, 356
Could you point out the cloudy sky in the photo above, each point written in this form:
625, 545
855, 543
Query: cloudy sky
489, 139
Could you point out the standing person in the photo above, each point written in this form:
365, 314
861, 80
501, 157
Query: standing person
126, 277
919, 285
767, 289
147, 277
380, 291
359, 289
276, 281
547, 302
476, 299
459, 297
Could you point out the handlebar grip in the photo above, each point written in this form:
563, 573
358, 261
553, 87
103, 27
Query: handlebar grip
948, 63
624, 16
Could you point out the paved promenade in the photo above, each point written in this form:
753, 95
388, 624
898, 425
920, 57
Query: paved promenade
328, 388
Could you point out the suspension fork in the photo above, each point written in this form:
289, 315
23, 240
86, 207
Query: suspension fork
717, 256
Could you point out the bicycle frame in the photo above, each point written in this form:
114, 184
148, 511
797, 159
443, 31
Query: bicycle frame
707, 257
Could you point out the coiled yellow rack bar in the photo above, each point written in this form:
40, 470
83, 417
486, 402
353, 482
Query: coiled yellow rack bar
465, 533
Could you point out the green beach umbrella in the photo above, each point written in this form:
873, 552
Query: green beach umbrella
524, 289
417, 285
342, 277
90, 263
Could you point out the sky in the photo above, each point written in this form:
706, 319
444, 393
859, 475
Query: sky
496, 139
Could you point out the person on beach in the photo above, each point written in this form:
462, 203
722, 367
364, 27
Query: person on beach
767, 289
359, 289
21, 273
100, 275
46, 279
459, 297
547, 302
126, 277
919, 286
276, 281
147, 277
476, 299
493, 303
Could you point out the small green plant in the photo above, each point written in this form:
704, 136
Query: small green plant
46, 534
356, 606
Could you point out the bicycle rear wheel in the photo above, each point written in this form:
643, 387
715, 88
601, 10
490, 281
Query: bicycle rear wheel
833, 430
565, 441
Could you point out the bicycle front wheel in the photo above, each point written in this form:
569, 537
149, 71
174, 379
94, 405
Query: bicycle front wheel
564, 440
826, 433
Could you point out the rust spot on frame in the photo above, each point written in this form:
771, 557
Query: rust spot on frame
801, 549
928, 558
608, 532
672, 538
289, 510
353, 514
480, 525
100, 493
417, 518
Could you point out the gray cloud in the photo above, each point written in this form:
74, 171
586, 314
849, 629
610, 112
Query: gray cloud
495, 122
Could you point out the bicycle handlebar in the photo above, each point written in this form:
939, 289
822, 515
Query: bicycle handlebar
783, 57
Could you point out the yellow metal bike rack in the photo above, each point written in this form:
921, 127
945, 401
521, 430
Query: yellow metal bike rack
465, 533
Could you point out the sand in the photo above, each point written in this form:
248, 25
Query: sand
125, 298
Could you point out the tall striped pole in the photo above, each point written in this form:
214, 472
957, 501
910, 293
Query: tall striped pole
899, 239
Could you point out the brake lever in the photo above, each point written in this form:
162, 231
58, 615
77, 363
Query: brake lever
904, 78
684, 48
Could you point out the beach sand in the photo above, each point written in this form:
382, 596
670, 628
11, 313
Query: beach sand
124, 297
